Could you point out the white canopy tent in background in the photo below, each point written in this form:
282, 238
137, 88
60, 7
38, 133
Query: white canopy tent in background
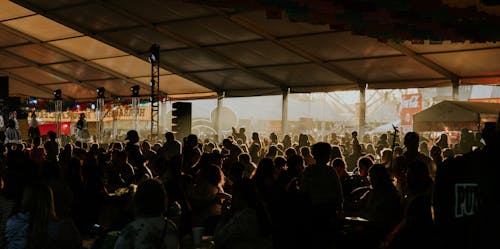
455, 115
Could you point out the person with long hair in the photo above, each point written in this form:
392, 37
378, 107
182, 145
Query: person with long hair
150, 228
36, 225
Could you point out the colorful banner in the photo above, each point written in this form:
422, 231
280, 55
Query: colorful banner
122, 113
410, 104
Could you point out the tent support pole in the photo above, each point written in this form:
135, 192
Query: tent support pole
479, 122
455, 91
284, 112
218, 128
362, 110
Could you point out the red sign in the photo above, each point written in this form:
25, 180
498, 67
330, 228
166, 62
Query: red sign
410, 104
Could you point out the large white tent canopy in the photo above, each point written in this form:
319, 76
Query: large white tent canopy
455, 115
79, 45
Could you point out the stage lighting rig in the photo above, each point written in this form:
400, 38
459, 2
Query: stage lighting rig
100, 92
58, 94
135, 90
154, 57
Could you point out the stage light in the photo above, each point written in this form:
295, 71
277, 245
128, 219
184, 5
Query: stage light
135, 90
152, 58
58, 94
155, 53
32, 101
100, 92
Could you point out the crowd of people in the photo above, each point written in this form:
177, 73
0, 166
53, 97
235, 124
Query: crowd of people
387, 191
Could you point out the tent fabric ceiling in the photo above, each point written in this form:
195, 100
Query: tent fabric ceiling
78, 45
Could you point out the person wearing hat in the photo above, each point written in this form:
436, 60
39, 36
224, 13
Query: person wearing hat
134, 154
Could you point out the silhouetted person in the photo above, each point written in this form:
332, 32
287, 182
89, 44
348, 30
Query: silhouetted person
382, 143
442, 141
287, 142
411, 142
36, 226
246, 224
82, 129
150, 228
240, 135
172, 147
273, 138
321, 184
381, 205
303, 140
191, 152
34, 130
355, 140
12, 135
52, 147
416, 230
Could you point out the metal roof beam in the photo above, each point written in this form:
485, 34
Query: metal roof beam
481, 76
459, 50
244, 42
154, 24
424, 61
290, 47
248, 67
67, 6
114, 44
32, 84
300, 63
50, 70
15, 45
75, 57
406, 81
167, 31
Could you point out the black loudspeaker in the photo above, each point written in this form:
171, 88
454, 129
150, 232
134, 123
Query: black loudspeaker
181, 119
4, 88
